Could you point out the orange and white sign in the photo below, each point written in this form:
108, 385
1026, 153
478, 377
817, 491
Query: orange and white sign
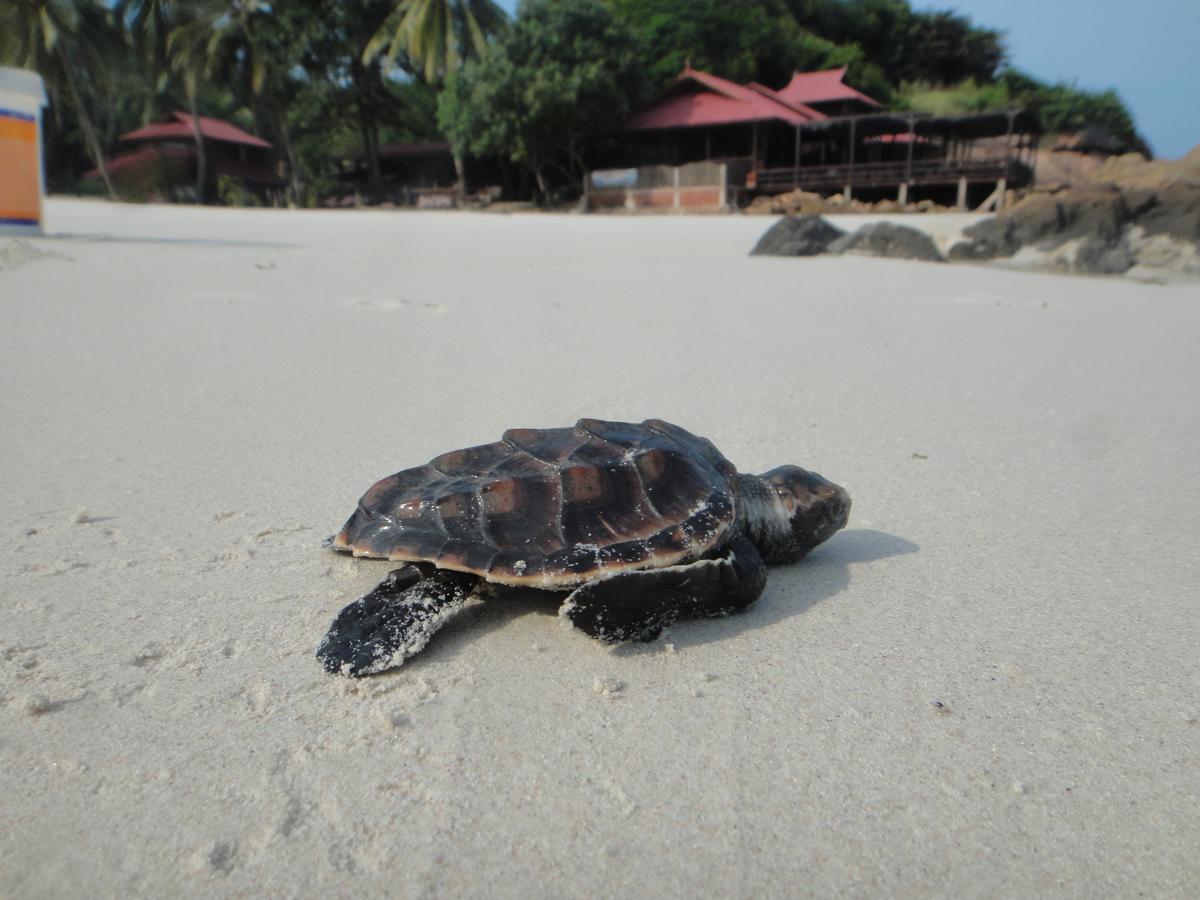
21, 100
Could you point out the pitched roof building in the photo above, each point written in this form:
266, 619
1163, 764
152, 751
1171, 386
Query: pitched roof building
819, 133
162, 161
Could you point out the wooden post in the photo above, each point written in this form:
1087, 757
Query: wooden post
1008, 143
912, 139
850, 170
962, 192
902, 194
796, 160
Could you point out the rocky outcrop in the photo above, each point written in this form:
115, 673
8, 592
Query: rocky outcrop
888, 240
1098, 229
797, 236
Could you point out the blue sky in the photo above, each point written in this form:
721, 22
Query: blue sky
1148, 51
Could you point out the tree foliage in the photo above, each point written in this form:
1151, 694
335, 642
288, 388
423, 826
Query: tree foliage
68, 43
566, 73
438, 35
1058, 107
1065, 107
941, 47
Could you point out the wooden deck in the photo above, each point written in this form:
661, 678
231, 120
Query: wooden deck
932, 172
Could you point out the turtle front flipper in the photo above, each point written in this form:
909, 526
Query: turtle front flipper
636, 606
393, 622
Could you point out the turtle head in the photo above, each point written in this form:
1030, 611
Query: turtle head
790, 510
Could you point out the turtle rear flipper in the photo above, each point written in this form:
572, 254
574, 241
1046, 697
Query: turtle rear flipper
394, 621
636, 606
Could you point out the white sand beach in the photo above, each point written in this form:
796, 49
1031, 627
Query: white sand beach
987, 685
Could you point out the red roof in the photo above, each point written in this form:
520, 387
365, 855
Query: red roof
182, 155
138, 158
180, 126
821, 87
697, 98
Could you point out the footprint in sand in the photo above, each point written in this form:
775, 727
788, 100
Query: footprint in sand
14, 254
398, 305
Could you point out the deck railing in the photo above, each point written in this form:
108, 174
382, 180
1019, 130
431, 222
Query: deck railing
882, 174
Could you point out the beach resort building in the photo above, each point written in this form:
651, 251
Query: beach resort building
708, 141
161, 160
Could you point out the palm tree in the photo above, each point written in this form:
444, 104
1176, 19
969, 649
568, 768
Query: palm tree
188, 47
437, 35
238, 45
63, 41
148, 24
170, 40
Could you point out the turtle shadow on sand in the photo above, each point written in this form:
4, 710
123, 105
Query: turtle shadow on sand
792, 590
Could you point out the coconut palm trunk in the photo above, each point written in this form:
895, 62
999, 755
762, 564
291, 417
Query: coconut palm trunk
201, 153
89, 129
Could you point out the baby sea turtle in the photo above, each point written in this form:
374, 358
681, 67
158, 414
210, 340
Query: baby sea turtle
641, 524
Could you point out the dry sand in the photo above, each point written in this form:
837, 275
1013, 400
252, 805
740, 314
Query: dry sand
988, 685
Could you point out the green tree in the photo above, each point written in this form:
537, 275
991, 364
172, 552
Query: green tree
936, 46
1065, 107
67, 43
739, 41
438, 35
331, 37
147, 25
566, 73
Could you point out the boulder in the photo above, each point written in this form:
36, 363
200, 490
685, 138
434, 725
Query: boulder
1096, 256
797, 236
1098, 213
1034, 219
1174, 211
890, 241
1162, 252
798, 201
760, 206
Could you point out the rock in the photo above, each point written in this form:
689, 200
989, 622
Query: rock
1099, 228
890, 241
798, 201
760, 206
988, 239
1175, 212
1134, 170
1092, 139
1093, 213
1164, 252
971, 251
1031, 221
1096, 256
797, 236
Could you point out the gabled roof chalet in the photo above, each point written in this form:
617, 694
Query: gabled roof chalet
180, 126
698, 98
